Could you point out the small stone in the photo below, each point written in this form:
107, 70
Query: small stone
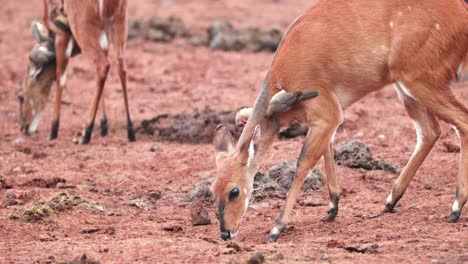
257, 258
10, 194
155, 148
427, 186
199, 214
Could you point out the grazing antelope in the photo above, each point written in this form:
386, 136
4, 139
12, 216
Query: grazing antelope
345, 50
88, 26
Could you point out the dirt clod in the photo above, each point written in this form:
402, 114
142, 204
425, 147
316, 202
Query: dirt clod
84, 259
451, 148
39, 155
202, 191
354, 154
172, 228
153, 195
374, 248
90, 230
285, 172
4, 184
257, 258
199, 214
44, 183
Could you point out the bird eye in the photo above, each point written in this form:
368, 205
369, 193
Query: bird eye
21, 98
234, 193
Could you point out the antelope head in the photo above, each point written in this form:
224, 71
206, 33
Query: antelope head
238, 164
233, 186
38, 79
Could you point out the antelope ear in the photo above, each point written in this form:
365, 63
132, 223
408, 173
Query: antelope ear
39, 31
41, 55
223, 140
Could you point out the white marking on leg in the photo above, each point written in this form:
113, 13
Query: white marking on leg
233, 235
390, 198
100, 2
459, 71
33, 127
332, 205
456, 206
275, 231
103, 42
405, 90
419, 136
63, 79
456, 131
69, 50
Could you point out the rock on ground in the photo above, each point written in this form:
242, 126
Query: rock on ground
202, 191
199, 214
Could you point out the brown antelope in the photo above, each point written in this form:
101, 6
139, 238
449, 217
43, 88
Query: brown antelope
88, 26
345, 50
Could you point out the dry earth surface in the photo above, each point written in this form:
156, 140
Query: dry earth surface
179, 78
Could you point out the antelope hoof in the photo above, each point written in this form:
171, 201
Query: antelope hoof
104, 127
389, 208
332, 213
453, 218
87, 135
275, 233
130, 131
54, 131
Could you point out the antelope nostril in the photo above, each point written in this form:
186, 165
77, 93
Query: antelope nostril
225, 235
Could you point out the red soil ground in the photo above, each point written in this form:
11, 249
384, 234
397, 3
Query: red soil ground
175, 78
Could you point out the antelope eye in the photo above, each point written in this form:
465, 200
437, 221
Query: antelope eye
234, 193
20, 98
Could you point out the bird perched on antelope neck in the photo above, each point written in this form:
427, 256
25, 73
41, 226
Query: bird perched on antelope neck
283, 100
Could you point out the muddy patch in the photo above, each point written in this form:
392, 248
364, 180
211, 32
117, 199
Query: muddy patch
189, 128
220, 35
223, 36
274, 183
158, 29
354, 154
46, 207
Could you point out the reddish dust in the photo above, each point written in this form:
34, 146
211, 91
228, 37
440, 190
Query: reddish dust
135, 206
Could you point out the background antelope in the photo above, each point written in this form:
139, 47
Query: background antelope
345, 50
74, 26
